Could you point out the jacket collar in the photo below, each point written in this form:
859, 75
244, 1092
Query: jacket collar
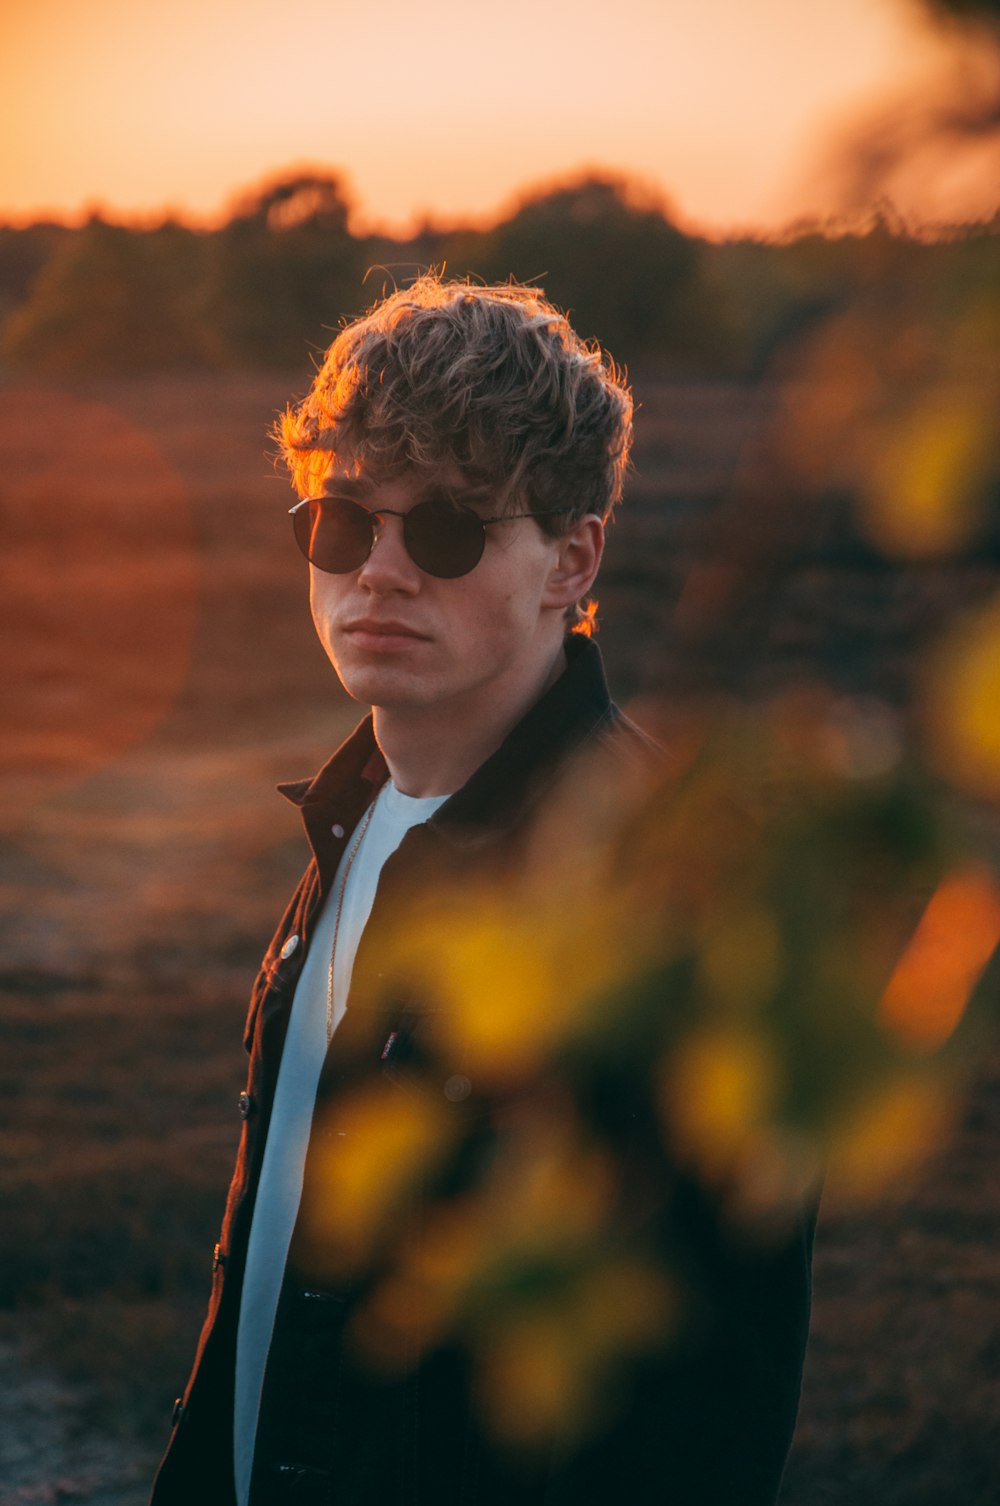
357, 759
503, 788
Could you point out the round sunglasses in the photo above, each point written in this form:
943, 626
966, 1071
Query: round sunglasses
442, 537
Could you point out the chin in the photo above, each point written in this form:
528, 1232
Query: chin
384, 687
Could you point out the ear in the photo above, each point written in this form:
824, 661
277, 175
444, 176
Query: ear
576, 563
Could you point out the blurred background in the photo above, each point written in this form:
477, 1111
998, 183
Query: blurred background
784, 220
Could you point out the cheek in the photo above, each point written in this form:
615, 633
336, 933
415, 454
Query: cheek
317, 608
518, 579
492, 618
323, 593
323, 601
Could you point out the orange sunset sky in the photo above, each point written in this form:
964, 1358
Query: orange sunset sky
730, 107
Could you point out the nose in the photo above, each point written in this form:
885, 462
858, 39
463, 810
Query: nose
388, 567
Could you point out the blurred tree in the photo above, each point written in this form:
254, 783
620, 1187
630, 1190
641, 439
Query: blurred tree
603, 248
774, 292
283, 270
23, 254
964, 10
946, 129
111, 300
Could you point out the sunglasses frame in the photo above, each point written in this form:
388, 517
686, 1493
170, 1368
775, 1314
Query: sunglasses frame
378, 514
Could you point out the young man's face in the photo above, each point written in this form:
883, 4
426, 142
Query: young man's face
400, 638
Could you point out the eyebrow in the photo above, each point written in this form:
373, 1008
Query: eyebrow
361, 488
347, 486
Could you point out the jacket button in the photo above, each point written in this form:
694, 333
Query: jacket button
289, 947
178, 1411
337, 830
218, 1258
246, 1104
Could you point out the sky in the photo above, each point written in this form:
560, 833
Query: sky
442, 108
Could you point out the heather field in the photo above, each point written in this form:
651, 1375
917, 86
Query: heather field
160, 676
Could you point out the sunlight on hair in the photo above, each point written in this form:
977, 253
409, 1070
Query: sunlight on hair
586, 620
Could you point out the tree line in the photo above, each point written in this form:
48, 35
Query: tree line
274, 281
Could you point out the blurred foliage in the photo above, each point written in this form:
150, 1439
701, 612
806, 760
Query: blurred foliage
776, 294
942, 129
898, 409
964, 10
607, 252
282, 268
773, 951
961, 703
23, 254
111, 300
277, 277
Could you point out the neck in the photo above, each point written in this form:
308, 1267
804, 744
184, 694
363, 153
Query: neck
434, 750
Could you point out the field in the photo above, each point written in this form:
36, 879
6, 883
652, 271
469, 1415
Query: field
161, 675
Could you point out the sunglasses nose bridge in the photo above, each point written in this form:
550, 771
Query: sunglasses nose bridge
376, 522
398, 555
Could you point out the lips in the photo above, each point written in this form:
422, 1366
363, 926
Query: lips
382, 633
380, 626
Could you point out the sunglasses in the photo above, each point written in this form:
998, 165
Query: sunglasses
442, 537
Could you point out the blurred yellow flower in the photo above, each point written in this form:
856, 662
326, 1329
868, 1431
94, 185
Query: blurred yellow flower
928, 482
718, 1087
544, 1368
532, 1386
889, 1133
510, 976
962, 703
372, 1156
625, 1304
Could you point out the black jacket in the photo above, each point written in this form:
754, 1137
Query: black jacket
707, 1423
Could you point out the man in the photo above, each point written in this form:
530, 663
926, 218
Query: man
456, 461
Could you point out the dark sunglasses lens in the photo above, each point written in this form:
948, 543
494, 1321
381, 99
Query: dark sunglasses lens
444, 540
334, 534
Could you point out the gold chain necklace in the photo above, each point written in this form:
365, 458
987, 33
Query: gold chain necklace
355, 845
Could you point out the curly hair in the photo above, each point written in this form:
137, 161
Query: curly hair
489, 379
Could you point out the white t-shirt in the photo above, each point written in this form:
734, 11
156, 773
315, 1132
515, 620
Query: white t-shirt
305, 1047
